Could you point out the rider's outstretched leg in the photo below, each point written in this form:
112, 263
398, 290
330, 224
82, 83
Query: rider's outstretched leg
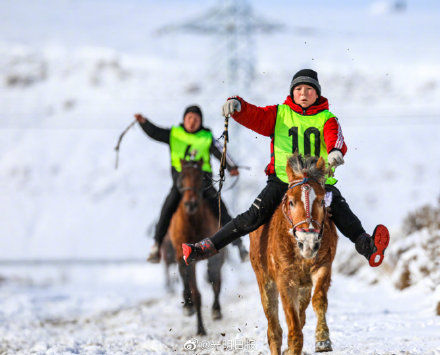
211, 195
372, 247
259, 213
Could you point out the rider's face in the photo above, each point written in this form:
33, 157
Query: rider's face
192, 122
304, 95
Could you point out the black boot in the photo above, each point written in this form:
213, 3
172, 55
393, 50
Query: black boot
373, 247
364, 245
198, 251
210, 246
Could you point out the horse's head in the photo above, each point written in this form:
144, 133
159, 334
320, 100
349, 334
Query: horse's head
190, 184
303, 203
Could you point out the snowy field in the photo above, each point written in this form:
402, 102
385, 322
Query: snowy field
73, 73
116, 309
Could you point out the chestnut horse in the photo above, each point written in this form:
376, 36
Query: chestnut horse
192, 222
294, 252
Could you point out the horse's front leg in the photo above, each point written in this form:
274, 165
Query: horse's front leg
196, 298
214, 277
291, 305
305, 294
321, 280
269, 300
188, 305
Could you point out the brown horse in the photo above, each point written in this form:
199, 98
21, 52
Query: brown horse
294, 252
192, 222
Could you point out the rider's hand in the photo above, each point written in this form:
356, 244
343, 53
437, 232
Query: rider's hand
335, 158
140, 118
231, 106
234, 172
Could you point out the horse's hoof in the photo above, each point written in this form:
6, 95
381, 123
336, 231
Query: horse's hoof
201, 331
323, 346
188, 310
216, 314
291, 352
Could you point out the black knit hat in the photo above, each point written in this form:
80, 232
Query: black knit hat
194, 109
308, 77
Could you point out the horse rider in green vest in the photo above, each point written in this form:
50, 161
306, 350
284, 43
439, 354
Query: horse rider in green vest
189, 140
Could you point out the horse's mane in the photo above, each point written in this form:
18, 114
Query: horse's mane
306, 165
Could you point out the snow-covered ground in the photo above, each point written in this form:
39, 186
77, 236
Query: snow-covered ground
71, 76
116, 309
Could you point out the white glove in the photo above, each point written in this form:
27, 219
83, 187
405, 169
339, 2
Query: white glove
231, 106
335, 158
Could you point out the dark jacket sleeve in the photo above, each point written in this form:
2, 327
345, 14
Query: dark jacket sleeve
157, 133
216, 150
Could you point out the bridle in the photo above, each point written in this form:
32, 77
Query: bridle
179, 181
183, 189
305, 187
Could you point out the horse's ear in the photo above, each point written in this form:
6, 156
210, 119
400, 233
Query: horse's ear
290, 174
320, 164
200, 162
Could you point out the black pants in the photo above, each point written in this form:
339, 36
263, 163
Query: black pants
267, 202
172, 202
343, 217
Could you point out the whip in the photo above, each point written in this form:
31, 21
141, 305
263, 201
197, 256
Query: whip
120, 140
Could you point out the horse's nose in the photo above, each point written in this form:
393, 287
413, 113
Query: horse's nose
301, 245
191, 206
316, 247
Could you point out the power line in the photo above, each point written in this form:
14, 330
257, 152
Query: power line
233, 25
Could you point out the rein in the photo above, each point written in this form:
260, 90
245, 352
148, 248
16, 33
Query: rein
309, 220
225, 135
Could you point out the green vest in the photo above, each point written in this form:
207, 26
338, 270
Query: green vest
186, 146
304, 134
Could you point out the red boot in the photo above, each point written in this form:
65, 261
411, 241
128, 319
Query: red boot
381, 238
198, 251
373, 248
